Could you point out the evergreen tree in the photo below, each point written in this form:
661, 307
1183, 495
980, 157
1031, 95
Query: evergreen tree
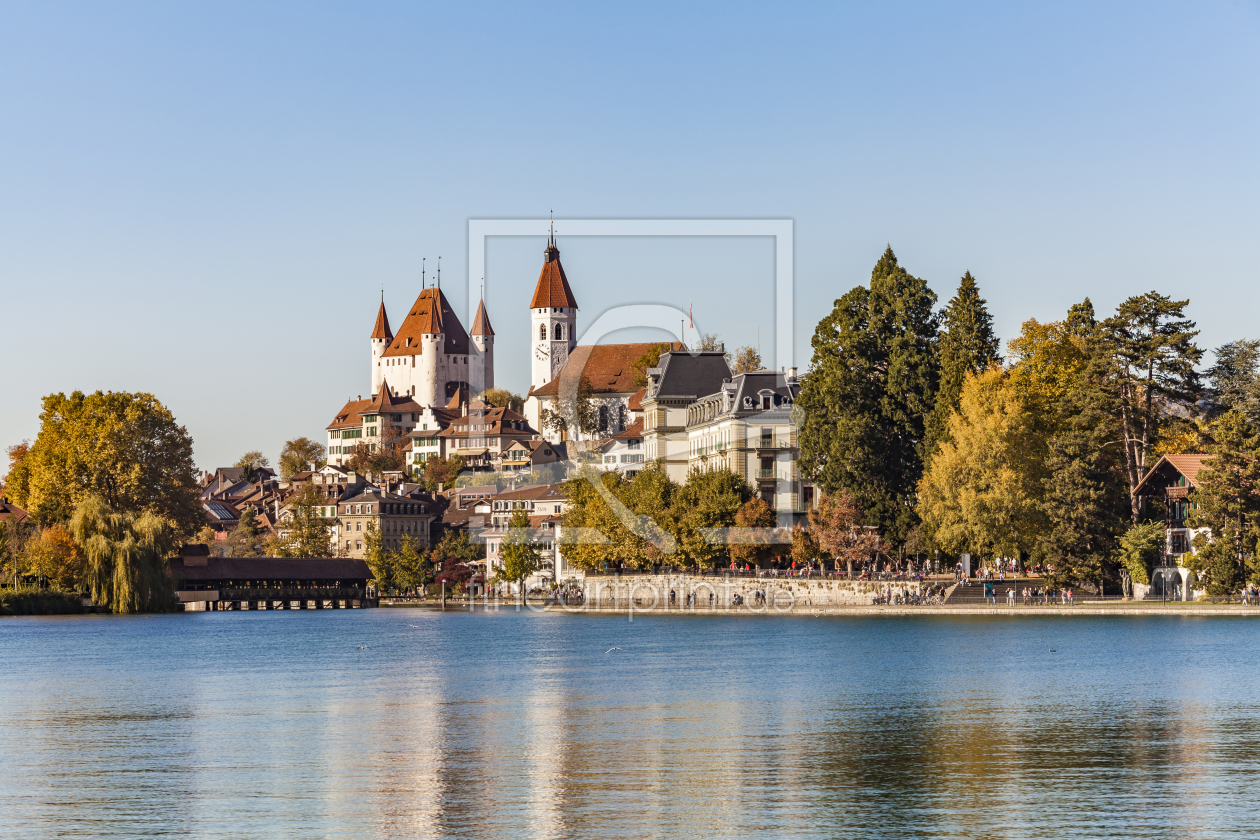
1155, 354
1235, 378
1085, 496
1227, 501
866, 400
243, 541
967, 345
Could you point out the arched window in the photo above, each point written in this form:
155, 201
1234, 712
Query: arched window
559, 332
542, 332
603, 418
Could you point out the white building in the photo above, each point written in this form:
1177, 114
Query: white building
678, 380
558, 363
623, 452
746, 428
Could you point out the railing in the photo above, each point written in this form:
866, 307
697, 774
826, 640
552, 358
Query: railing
764, 475
778, 442
286, 594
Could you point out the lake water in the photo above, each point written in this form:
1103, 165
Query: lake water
521, 725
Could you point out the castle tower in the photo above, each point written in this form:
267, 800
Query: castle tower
482, 356
381, 337
553, 319
431, 389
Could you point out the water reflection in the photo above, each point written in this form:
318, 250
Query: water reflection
230, 725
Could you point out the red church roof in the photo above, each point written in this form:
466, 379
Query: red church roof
553, 289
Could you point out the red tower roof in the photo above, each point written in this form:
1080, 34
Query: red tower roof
382, 324
553, 287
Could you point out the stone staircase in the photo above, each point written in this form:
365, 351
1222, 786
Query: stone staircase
973, 594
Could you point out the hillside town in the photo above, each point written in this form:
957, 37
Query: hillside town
638, 457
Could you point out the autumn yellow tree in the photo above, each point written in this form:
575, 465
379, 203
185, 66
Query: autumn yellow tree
982, 489
125, 449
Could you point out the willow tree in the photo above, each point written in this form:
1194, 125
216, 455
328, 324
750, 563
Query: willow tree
126, 556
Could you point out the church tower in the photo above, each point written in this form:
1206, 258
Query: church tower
381, 337
553, 319
482, 356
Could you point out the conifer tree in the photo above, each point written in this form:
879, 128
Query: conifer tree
865, 403
1155, 354
1227, 501
967, 345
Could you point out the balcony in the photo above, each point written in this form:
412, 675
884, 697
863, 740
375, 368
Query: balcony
765, 475
774, 442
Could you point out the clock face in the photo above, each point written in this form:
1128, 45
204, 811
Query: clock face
541, 352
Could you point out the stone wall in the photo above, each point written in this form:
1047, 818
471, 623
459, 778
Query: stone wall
646, 592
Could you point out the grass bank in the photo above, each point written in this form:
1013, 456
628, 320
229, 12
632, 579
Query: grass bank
35, 602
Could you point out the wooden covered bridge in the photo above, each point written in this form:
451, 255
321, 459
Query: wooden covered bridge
269, 583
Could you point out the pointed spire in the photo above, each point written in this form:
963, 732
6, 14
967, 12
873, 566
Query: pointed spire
481, 323
553, 287
382, 323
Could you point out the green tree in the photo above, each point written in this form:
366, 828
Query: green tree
967, 345
650, 359
503, 398
442, 472
126, 449
865, 402
757, 514
1085, 495
1235, 378
1227, 501
252, 461
709, 499
572, 411
410, 565
519, 556
1155, 354
300, 454
306, 532
126, 553
244, 540
982, 490
456, 547
378, 559
602, 502
1139, 550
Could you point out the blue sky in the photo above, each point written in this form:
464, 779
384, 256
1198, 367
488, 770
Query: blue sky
204, 201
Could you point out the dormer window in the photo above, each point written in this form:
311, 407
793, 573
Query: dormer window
408, 344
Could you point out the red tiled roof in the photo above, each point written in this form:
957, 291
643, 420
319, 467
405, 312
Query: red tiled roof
11, 514
553, 287
1187, 465
634, 430
382, 324
385, 402
497, 421
348, 417
481, 323
430, 314
608, 367
636, 400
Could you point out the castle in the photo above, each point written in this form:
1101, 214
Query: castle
432, 359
